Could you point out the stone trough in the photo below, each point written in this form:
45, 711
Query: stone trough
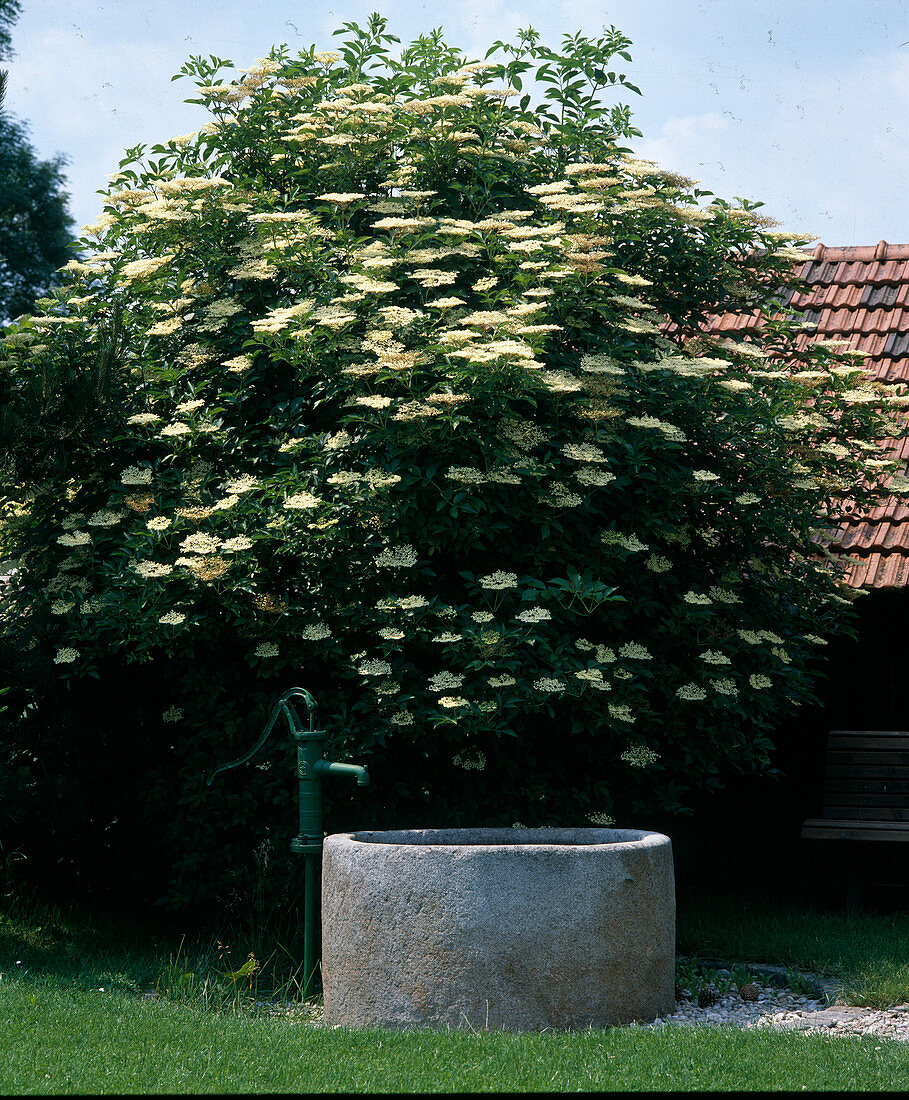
497, 928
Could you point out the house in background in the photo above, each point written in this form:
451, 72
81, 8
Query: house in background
859, 295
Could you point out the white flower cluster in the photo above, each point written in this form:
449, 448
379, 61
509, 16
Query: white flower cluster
561, 497
697, 598
503, 475
548, 684
499, 580
522, 433
588, 475
138, 269
600, 364
135, 475
238, 542
302, 502
243, 484
175, 429
639, 756
465, 474
593, 677
669, 431
583, 452
172, 618
405, 603
371, 401
374, 668
714, 657
344, 478
630, 542
76, 538
533, 615
444, 680
398, 557
315, 632
474, 762
200, 543
152, 569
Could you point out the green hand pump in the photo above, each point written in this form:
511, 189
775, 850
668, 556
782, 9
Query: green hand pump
308, 842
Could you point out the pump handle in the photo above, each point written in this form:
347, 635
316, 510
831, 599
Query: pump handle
283, 705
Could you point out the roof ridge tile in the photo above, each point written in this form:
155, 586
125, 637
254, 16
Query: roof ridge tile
834, 254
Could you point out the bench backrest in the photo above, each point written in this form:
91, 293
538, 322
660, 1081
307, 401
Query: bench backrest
867, 775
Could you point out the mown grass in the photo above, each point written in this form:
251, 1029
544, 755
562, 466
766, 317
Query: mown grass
58, 1040
75, 1018
867, 951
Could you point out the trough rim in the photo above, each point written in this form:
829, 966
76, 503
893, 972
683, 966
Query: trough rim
544, 838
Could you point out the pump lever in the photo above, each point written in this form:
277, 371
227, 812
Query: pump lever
282, 705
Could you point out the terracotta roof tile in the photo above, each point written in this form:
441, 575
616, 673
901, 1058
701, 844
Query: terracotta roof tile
856, 273
899, 447
865, 537
878, 571
877, 321
859, 294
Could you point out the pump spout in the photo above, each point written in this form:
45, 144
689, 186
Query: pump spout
322, 767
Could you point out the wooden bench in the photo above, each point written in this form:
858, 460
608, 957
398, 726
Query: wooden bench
866, 792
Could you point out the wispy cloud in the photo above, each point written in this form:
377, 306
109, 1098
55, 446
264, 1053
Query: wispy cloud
689, 144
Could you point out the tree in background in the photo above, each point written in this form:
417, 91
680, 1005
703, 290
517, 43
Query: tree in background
10, 11
35, 227
395, 418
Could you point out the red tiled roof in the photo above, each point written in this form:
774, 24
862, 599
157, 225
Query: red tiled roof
859, 295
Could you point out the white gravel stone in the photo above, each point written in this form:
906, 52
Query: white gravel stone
781, 1009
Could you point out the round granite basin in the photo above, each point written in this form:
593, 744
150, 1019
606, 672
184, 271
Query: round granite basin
497, 928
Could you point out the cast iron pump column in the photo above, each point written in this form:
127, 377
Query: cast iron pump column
308, 842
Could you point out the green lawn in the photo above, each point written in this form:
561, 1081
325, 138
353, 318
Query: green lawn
68, 1041
867, 951
73, 1020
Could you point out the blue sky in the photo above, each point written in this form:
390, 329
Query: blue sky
802, 104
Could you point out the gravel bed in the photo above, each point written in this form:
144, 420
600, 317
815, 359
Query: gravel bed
788, 1011
774, 1008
